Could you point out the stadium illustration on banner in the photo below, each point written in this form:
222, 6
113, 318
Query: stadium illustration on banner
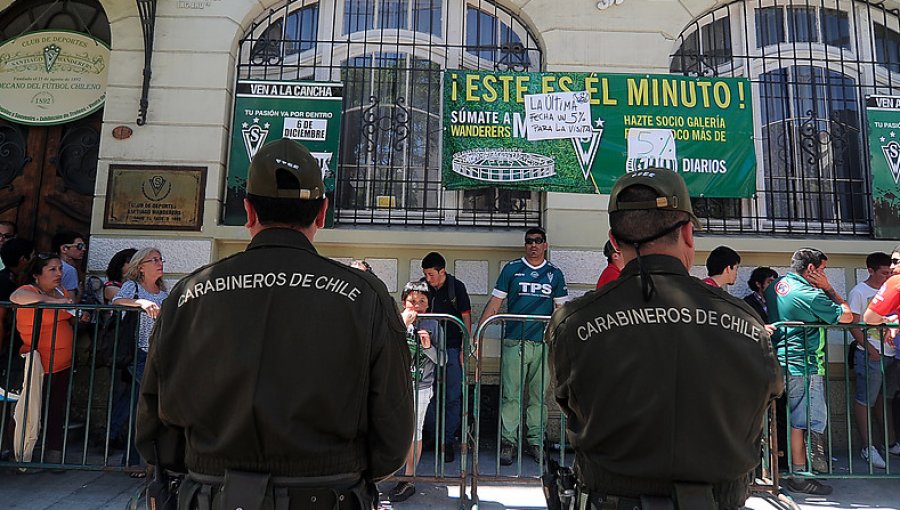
578, 132
502, 165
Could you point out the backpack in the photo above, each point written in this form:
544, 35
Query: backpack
118, 337
451, 291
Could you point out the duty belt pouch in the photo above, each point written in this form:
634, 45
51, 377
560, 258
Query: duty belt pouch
244, 490
659, 503
695, 496
365, 494
186, 494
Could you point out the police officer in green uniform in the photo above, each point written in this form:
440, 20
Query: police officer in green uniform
278, 378
664, 380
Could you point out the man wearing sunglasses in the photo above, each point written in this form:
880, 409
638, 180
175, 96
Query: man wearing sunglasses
71, 248
532, 286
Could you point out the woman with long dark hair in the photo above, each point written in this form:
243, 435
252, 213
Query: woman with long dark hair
115, 273
42, 278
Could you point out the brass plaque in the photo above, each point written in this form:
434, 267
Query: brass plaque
155, 197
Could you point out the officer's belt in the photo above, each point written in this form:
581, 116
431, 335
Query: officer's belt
587, 501
253, 491
688, 496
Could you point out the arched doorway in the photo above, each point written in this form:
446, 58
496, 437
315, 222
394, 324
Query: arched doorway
48, 172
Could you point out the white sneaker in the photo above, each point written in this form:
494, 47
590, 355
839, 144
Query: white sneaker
894, 449
872, 452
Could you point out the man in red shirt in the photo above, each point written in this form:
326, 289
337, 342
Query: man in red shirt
722, 267
614, 265
883, 308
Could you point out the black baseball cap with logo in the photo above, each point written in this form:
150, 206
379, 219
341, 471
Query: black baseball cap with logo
285, 169
672, 193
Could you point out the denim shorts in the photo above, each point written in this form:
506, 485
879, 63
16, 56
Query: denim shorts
803, 392
867, 389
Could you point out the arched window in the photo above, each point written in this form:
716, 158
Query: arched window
811, 64
390, 55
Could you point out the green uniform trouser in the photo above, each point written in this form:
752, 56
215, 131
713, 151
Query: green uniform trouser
523, 374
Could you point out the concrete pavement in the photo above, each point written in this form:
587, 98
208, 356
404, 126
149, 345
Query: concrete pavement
88, 490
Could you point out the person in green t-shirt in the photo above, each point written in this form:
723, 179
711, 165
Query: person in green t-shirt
805, 295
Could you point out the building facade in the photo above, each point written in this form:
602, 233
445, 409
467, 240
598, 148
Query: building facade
811, 64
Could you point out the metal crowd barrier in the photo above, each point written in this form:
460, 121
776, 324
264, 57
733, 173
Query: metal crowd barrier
841, 441
94, 388
524, 470
87, 394
95, 391
841, 446
433, 468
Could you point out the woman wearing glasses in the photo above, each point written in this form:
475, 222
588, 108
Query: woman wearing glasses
42, 278
144, 287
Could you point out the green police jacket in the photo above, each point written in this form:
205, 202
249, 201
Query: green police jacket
663, 391
278, 360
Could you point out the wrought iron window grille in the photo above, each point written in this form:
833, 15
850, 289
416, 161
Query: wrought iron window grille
811, 64
390, 55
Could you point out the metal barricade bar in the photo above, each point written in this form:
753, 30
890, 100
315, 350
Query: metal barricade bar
439, 473
81, 392
519, 474
841, 451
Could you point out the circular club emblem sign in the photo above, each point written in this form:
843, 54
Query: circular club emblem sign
52, 77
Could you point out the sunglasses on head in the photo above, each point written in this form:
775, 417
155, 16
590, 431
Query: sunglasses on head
45, 255
534, 240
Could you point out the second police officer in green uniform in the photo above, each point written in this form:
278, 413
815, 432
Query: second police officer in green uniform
279, 378
664, 380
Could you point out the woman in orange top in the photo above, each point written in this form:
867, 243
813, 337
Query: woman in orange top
43, 275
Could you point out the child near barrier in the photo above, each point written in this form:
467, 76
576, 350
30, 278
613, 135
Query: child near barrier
424, 347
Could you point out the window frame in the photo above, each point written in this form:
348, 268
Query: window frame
421, 177
845, 53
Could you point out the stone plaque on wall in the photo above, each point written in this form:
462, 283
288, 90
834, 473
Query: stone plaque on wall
155, 197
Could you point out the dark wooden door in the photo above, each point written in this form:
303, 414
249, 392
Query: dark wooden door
47, 177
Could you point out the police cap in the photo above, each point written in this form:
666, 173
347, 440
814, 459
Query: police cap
285, 169
672, 193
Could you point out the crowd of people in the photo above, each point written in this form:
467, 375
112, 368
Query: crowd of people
530, 286
46, 341
534, 286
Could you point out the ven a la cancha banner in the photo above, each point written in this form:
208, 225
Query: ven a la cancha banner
883, 113
700, 127
309, 112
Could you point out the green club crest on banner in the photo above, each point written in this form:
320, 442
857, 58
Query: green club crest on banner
883, 114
